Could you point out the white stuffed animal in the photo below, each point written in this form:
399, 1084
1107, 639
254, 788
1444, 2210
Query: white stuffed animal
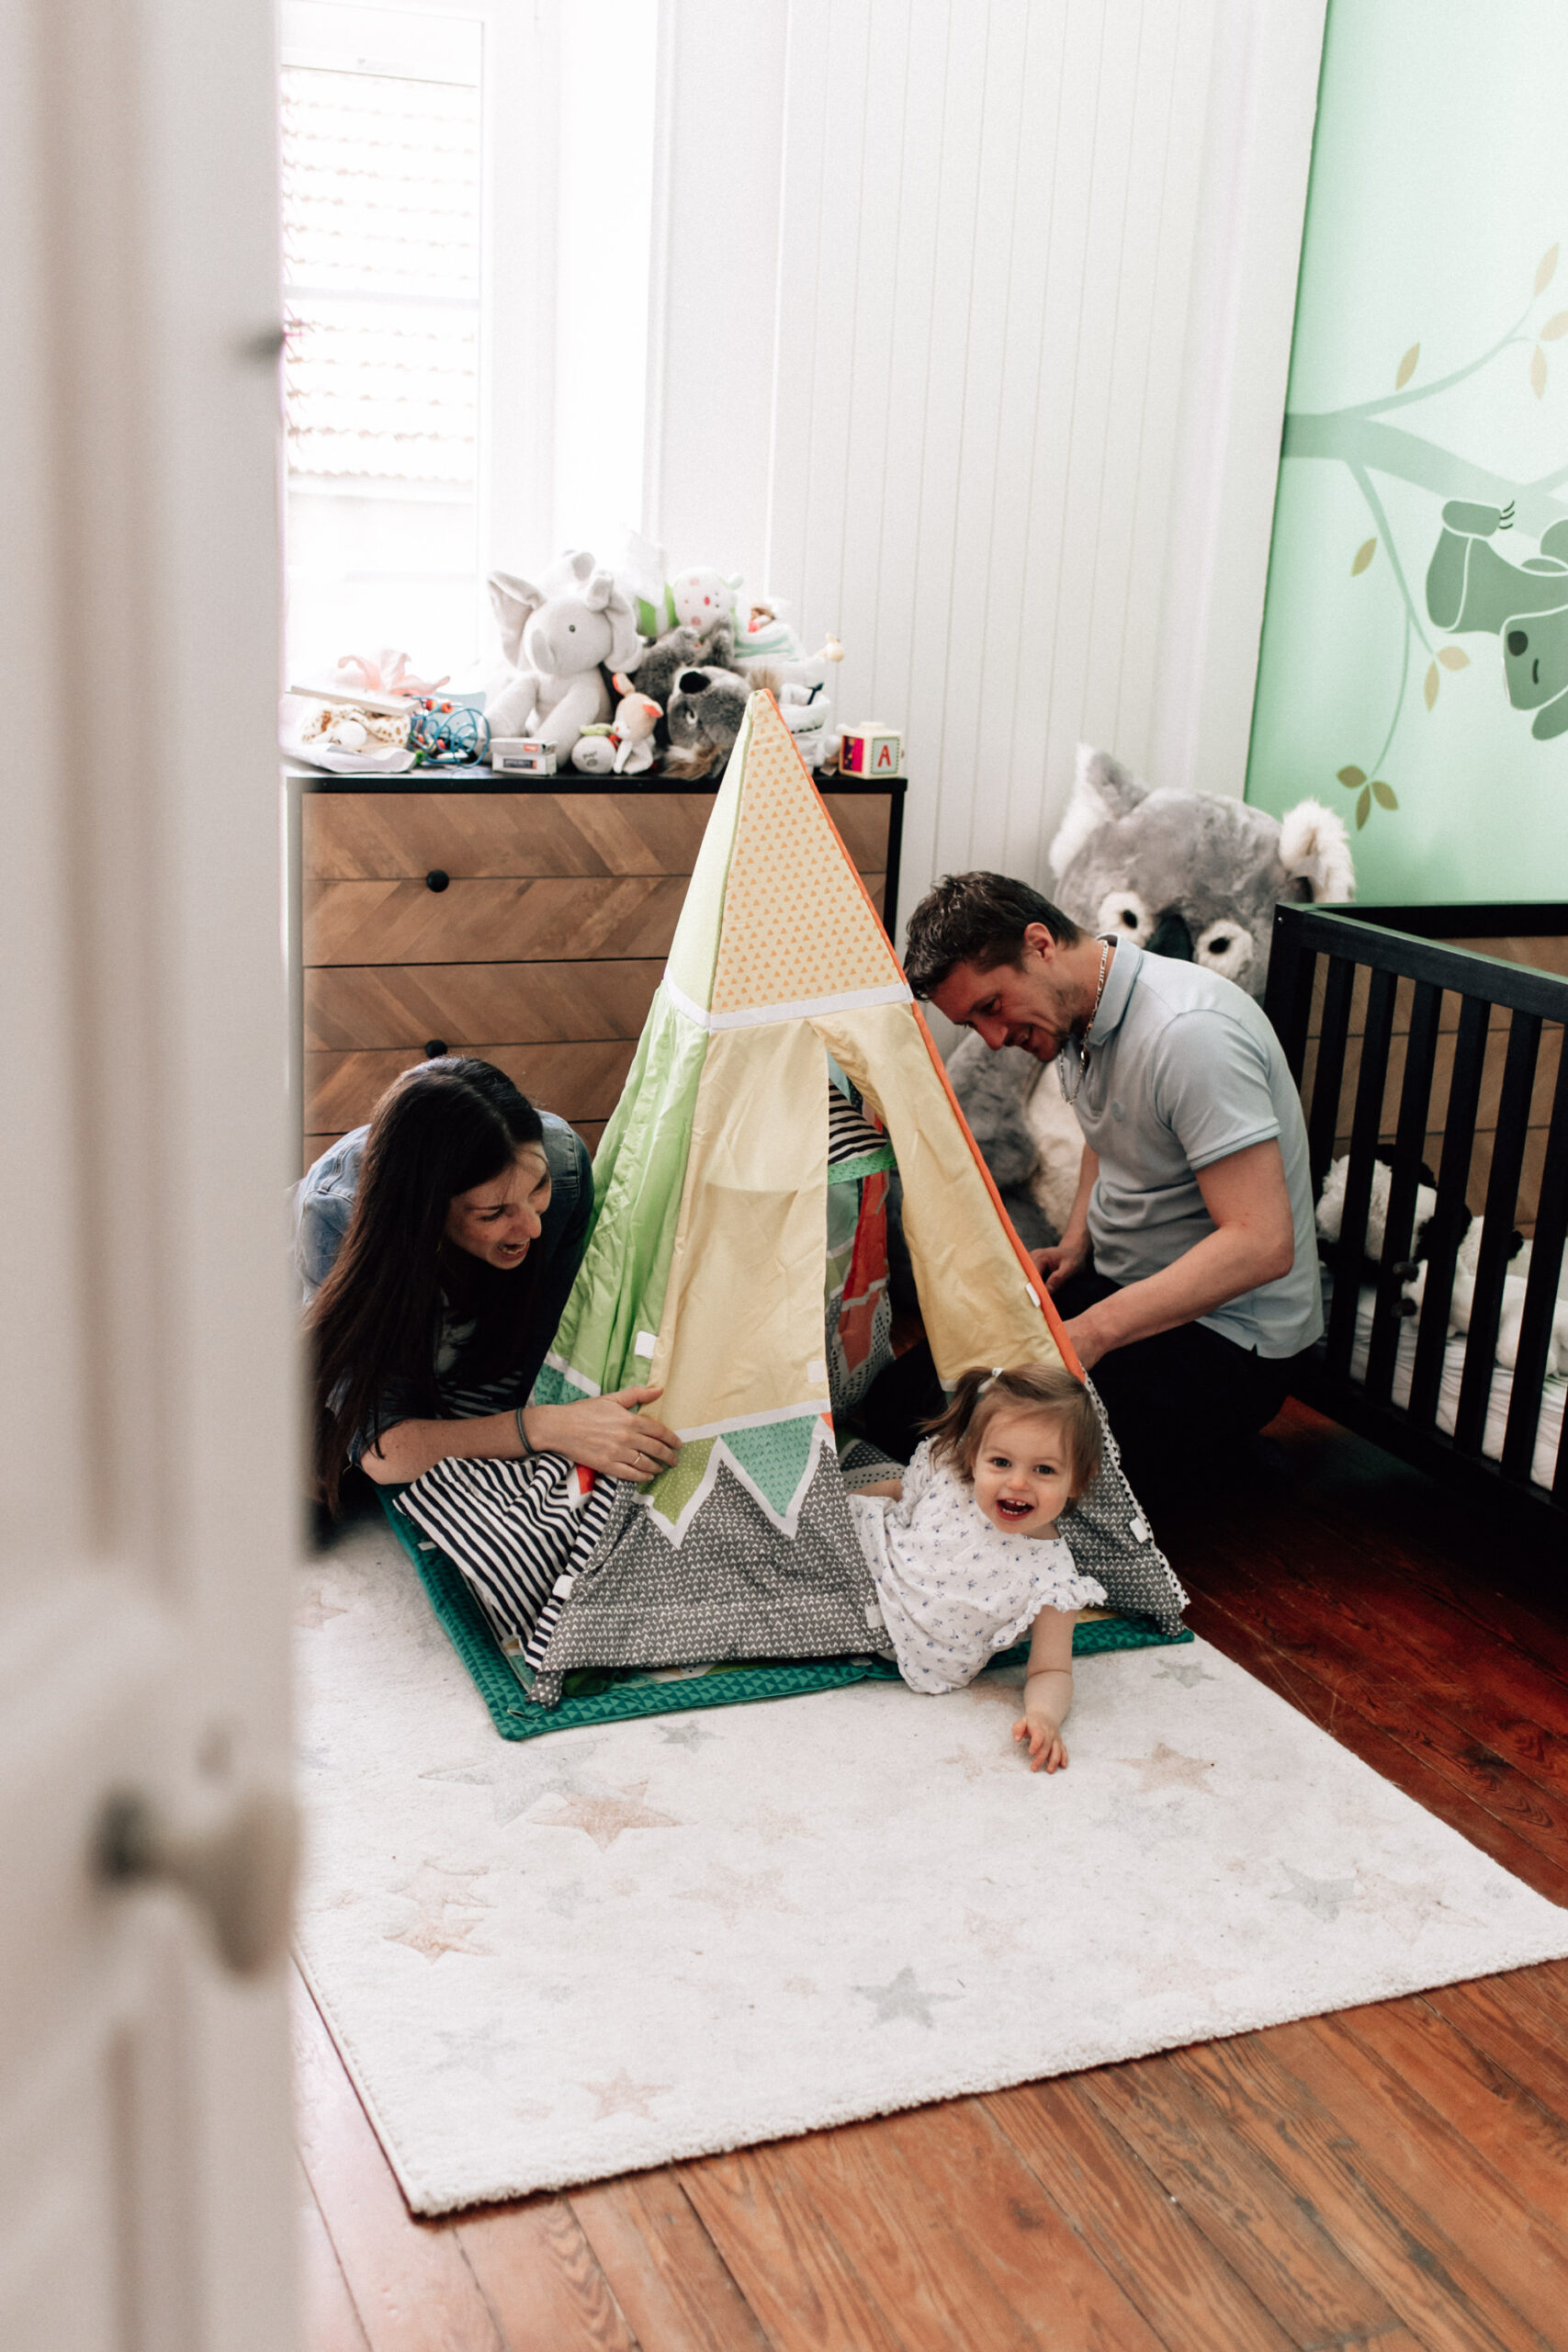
556, 639
637, 716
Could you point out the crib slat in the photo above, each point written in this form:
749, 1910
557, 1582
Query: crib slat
1287, 998
1540, 1299
1448, 1220
1329, 1075
1410, 1140
1502, 1200
1348, 1252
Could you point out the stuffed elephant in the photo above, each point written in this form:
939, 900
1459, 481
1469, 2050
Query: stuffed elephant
558, 640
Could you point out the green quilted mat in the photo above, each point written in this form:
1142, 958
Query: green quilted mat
613, 1695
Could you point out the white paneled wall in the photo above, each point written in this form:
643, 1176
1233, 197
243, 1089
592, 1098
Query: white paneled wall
925, 284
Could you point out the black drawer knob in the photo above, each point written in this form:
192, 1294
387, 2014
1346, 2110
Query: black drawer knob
436, 879
433, 1048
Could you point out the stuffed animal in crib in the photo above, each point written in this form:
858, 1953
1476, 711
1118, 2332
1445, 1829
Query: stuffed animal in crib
1184, 874
558, 639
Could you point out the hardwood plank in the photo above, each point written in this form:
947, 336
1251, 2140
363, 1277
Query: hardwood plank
410, 2281
1333, 1706
969, 2173
663, 2268
582, 1079
1240, 2202
1435, 2289
911, 2250
785, 2259
1521, 2137
1413, 2146
1182, 2285
1509, 2023
352, 1008
540, 2278
486, 921
382, 836
327, 2320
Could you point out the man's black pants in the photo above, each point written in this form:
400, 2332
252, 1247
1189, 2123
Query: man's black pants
1178, 1404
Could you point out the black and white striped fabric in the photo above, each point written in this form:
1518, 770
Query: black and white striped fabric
518, 1532
850, 1135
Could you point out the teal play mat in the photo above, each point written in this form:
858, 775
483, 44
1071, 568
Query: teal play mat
616, 1694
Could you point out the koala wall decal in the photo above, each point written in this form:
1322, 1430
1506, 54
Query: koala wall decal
1474, 584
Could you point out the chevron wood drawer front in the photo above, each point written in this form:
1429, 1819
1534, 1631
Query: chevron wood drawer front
578, 1080
529, 927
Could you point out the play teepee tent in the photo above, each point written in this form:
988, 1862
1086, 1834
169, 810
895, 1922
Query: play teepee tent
737, 1189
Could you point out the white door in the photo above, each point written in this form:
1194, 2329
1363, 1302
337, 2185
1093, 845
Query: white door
146, 1357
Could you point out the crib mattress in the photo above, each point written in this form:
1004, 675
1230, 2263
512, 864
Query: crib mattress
1549, 1426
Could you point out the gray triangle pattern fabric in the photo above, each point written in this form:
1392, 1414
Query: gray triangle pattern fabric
1110, 1539
735, 1588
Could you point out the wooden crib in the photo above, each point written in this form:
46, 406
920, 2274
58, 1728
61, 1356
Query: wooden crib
1413, 1050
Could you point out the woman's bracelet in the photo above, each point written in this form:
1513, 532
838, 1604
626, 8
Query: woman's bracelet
523, 1438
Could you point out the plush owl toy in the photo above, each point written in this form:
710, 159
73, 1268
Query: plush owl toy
1182, 874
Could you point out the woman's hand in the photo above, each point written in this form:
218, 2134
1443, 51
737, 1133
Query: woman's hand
603, 1433
1043, 1738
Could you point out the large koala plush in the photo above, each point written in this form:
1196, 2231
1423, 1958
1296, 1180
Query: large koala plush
703, 693
1182, 874
1473, 584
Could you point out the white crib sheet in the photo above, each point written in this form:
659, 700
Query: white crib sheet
1549, 1428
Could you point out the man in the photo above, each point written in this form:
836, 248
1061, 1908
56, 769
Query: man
1187, 1275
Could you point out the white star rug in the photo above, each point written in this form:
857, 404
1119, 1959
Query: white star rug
551, 1961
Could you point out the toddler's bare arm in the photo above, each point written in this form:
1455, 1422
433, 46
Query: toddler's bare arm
1047, 1690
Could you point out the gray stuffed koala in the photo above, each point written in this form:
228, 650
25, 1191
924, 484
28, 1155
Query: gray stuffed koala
1182, 874
1188, 874
703, 693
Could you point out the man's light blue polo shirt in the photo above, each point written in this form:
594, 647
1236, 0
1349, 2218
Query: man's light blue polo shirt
1183, 1069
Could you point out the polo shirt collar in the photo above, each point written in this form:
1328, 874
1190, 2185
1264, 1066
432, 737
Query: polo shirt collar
1120, 979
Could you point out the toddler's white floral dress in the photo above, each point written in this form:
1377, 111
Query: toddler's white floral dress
953, 1589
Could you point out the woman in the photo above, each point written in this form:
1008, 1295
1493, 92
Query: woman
437, 1247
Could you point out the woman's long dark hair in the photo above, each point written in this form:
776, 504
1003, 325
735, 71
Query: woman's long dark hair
437, 1131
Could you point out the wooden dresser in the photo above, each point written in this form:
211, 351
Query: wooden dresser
527, 923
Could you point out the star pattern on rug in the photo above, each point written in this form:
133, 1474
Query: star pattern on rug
516, 1783
771, 1824
686, 1735
1399, 1904
994, 1936
622, 2096
979, 1766
732, 1892
1166, 1767
447, 1908
902, 1999
1323, 1897
312, 1610
476, 2047
999, 1690
1185, 1671
606, 1816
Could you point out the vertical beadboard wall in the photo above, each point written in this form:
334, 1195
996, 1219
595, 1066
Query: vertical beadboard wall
922, 315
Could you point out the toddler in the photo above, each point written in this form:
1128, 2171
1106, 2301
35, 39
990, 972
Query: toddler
965, 1550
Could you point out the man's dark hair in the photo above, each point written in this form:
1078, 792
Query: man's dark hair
978, 919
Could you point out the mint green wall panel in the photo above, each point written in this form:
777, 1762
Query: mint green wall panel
1413, 669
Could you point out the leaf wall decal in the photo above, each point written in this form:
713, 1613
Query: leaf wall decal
1545, 268
1538, 372
1353, 778
1386, 795
1453, 657
1364, 555
1407, 368
1556, 324
1363, 809
1431, 683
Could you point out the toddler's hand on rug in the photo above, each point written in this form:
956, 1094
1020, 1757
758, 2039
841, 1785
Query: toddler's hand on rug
1043, 1738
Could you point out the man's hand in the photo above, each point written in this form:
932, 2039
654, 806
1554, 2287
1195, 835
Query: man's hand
603, 1433
1068, 1257
1042, 1735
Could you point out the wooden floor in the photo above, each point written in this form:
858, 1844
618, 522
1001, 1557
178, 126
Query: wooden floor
1394, 2175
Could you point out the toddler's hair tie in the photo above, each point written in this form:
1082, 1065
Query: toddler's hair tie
994, 1375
